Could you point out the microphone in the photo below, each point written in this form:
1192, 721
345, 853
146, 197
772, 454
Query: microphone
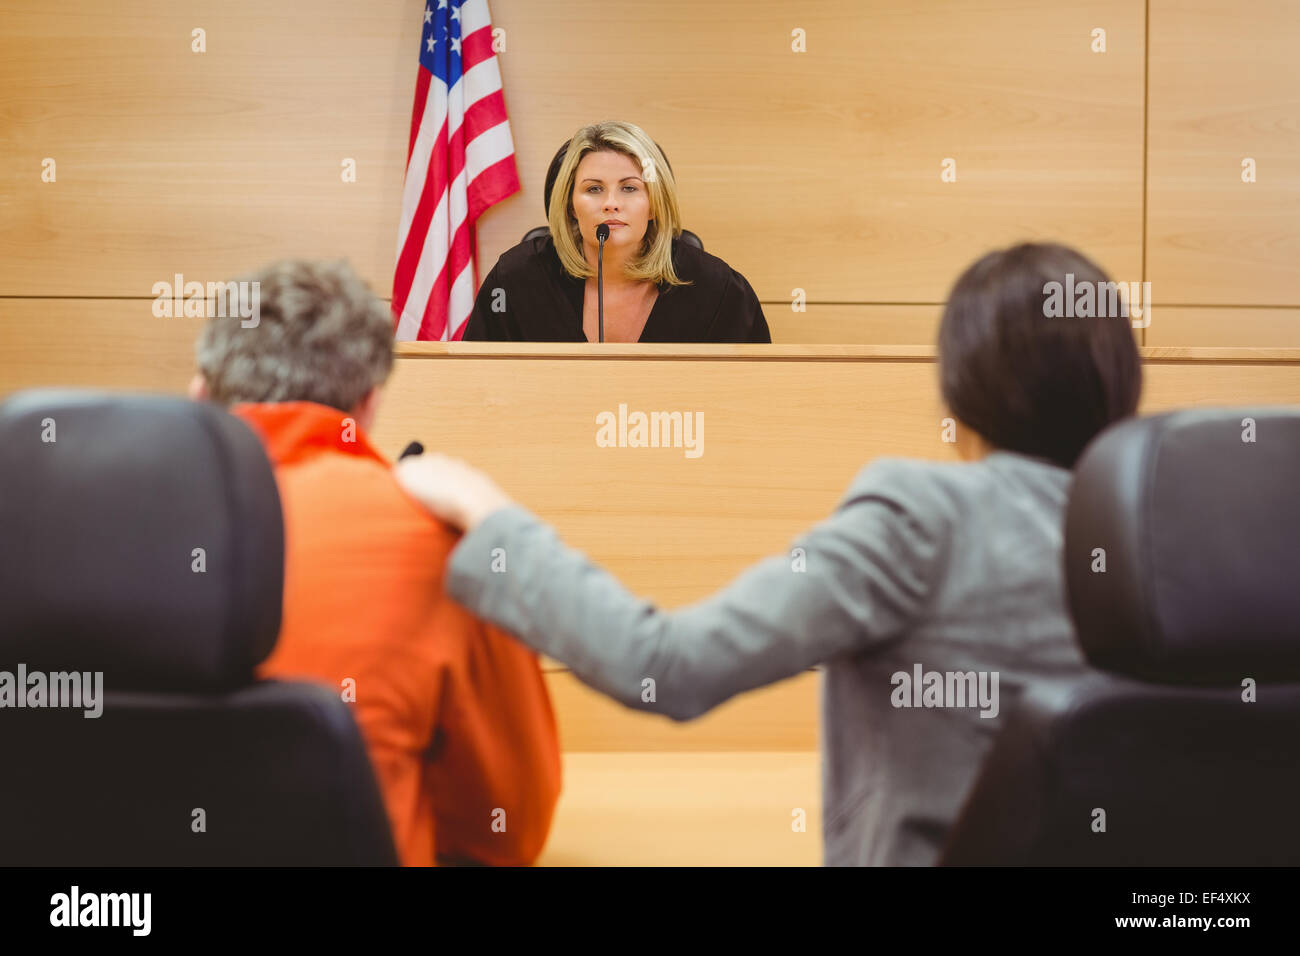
414, 448
602, 233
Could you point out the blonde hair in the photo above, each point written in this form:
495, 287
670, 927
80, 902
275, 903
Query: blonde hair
655, 260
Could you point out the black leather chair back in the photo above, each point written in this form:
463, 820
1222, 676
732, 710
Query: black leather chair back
1181, 748
143, 541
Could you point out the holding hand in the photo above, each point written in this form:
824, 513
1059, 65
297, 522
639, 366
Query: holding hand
450, 489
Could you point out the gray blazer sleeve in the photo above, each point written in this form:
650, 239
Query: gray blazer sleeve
855, 580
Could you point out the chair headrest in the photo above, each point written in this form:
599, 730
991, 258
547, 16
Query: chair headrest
142, 537
1196, 515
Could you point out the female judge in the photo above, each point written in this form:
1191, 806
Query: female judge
658, 287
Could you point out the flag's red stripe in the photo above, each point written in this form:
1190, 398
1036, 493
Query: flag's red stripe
476, 48
459, 334
494, 184
434, 310
417, 110
460, 256
435, 317
483, 115
410, 256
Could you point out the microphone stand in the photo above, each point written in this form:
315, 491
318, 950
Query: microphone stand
602, 233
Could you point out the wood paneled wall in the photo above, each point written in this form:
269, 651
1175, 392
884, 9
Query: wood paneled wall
817, 170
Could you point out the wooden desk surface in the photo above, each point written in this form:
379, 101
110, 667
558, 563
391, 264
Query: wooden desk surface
687, 809
818, 352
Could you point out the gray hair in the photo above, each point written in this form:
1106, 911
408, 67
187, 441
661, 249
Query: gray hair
322, 336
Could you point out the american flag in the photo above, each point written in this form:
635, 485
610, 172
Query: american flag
460, 161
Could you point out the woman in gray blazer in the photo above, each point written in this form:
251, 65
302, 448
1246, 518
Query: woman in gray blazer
932, 594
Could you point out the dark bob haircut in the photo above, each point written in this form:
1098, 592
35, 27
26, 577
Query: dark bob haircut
1025, 378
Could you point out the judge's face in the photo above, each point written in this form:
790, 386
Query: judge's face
609, 187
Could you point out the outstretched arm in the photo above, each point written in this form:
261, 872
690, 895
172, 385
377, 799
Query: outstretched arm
855, 580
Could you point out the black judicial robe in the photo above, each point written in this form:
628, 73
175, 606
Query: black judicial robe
543, 303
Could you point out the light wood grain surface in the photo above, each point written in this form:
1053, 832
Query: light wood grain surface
816, 171
782, 716
687, 809
1224, 87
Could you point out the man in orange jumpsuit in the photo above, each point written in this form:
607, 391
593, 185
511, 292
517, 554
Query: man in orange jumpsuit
455, 715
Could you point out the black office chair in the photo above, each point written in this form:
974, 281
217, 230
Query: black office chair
553, 173
1201, 592
142, 538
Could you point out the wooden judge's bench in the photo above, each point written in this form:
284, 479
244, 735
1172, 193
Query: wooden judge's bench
785, 429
